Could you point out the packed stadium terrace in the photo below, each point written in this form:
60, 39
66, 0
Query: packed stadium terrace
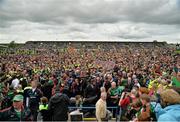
128, 81
92, 44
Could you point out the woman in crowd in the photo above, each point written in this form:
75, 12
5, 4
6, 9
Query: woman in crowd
169, 107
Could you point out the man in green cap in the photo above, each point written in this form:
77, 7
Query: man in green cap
16, 112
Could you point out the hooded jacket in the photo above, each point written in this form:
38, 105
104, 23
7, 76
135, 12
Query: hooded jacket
58, 107
169, 113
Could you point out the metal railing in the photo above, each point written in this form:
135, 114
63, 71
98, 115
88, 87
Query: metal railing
113, 109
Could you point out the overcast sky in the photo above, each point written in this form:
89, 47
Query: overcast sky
124, 20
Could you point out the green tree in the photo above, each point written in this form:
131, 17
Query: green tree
12, 44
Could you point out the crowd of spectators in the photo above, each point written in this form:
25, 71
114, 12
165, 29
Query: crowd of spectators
45, 83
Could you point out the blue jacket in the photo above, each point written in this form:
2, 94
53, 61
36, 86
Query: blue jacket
169, 113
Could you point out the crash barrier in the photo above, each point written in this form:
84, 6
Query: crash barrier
81, 116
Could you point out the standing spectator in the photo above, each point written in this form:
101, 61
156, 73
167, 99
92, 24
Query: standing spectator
107, 83
125, 101
8, 98
43, 110
145, 111
17, 112
136, 83
1, 99
15, 82
26, 91
101, 108
129, 84
90, 93
114, 93
134, 109
58, 106
176, 80
33, 99
102, 89
47, 89
169, 108
76, 88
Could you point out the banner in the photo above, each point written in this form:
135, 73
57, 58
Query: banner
108, 65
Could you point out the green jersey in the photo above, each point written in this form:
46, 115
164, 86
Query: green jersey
176, 82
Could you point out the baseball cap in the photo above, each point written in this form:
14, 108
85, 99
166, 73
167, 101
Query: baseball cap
18, 98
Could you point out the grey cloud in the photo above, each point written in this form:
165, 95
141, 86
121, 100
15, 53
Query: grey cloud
100, 12
114, 19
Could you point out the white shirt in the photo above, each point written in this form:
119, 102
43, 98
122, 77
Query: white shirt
15, 83
33, 89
